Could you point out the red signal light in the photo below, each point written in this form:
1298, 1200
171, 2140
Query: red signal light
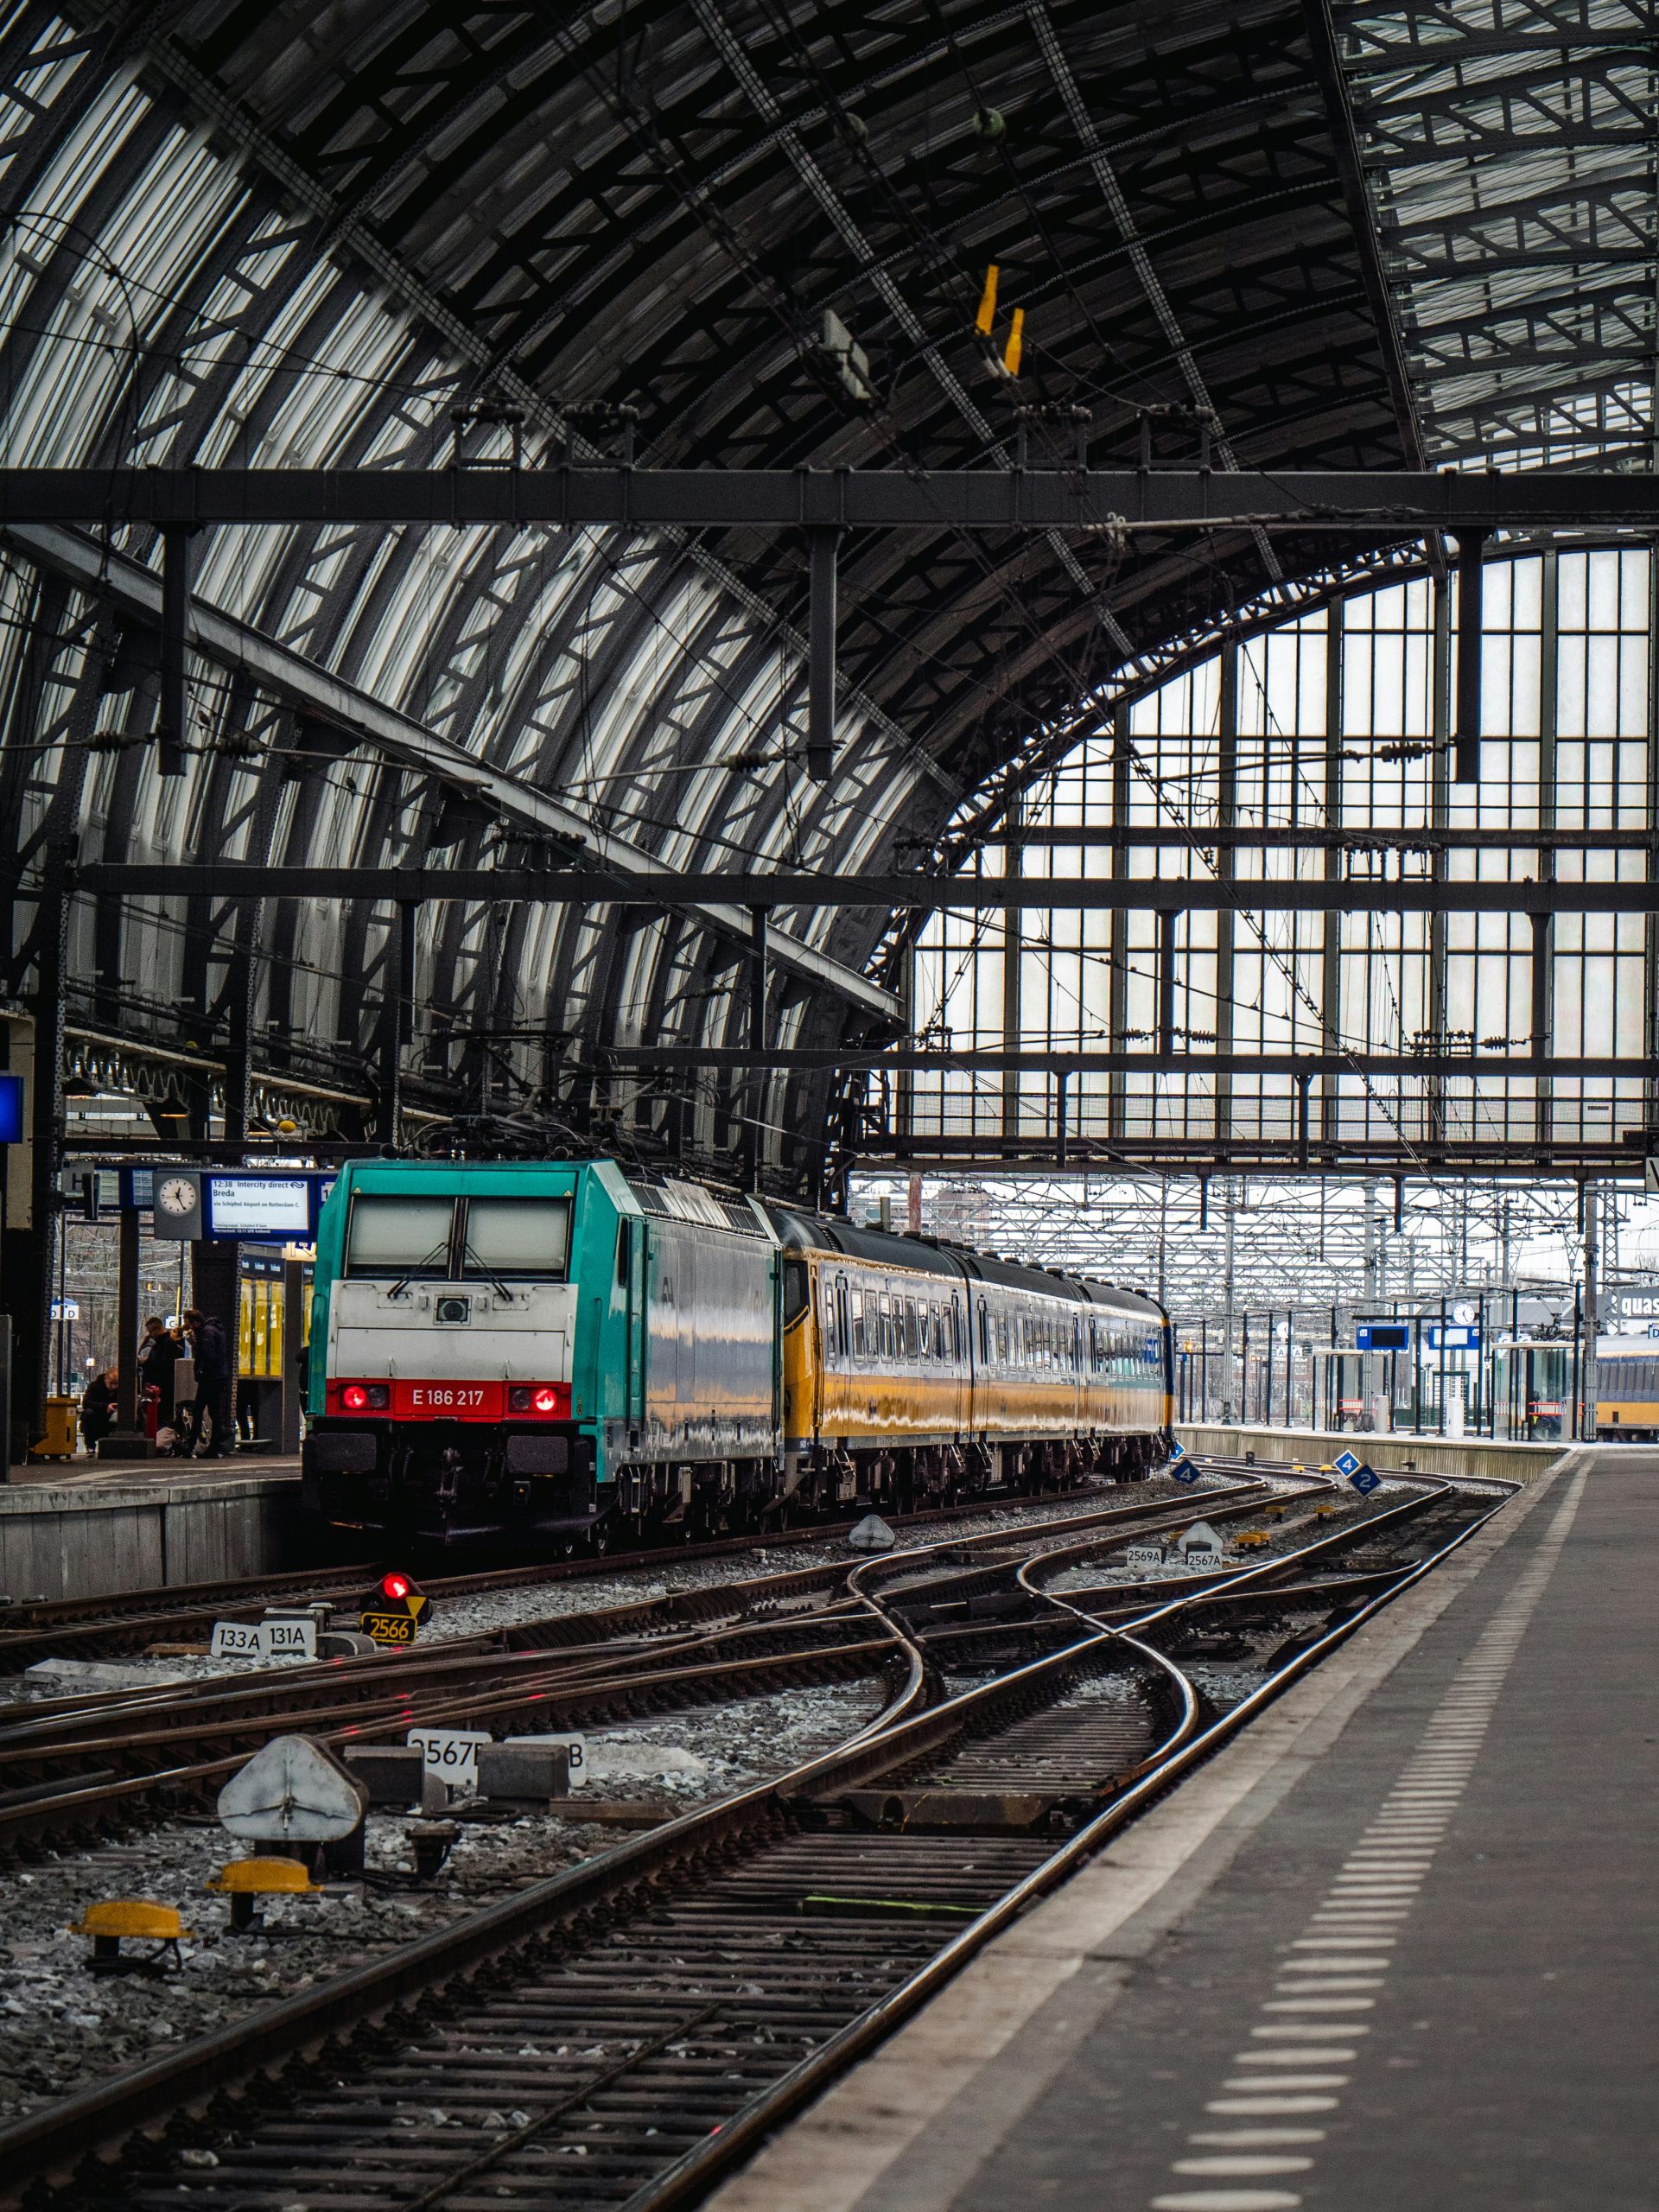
548, 1400
354, 1398
395, 1585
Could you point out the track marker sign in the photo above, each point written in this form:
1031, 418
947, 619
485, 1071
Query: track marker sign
450, 1753
1179, 1465
1347, 1462
279, 1639
1365, 1479
238, 1640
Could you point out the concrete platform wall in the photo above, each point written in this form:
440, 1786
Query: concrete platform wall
1424, 1455
72, 1542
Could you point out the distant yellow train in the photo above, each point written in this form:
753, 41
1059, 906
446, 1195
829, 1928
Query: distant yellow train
917, 1371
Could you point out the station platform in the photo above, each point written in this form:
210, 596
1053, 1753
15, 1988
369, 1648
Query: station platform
82, 1528
1392, 1950
1393, 1451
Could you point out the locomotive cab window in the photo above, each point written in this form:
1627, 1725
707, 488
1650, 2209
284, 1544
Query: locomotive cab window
408, 1237
794, 1289
524, 1238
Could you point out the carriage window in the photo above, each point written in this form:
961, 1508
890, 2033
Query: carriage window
861, 1344
405, 1236
884, 1327
843, 1340
518, 1236
912, 1337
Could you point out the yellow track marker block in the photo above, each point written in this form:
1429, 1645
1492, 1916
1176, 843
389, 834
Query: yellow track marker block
265, 1877
157, 1923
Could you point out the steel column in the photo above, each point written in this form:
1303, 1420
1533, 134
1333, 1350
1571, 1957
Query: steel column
32, 1381
1330, 962
824, 549
1471, 602
172, 727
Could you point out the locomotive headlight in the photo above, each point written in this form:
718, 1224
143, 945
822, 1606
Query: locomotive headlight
365, 1398
544, 1400
355, 1398
517, 1400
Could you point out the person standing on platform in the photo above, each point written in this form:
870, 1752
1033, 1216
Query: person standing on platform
158, 1355
211, 1351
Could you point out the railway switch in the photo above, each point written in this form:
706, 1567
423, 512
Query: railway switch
132, 1919
245, 1881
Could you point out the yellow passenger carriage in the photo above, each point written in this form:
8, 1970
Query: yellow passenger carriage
916, 1369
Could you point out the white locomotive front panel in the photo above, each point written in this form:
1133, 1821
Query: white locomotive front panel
453, 1351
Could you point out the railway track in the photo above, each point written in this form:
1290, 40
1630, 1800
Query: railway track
126, 1621
619, 2033
95, 1765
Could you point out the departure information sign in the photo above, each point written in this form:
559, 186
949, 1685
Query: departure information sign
257, 1206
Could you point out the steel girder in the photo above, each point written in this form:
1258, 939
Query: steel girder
1507, 148
571, 208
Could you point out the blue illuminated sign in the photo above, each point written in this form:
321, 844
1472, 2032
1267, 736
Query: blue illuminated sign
1454, 1336
11, 1110
1383, 1335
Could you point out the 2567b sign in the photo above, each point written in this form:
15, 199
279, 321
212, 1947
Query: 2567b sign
393, 1608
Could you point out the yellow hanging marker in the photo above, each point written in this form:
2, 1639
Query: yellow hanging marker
987, 315
1016, 336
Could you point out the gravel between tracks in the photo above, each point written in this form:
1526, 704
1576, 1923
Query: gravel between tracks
62, 2028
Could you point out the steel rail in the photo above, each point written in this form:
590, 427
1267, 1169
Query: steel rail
59, 1620
691, 2174
60, 2136
533, 1683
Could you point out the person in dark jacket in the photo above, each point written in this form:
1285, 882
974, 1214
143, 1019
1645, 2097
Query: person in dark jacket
212, 1352
158, 1355
97, 1405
